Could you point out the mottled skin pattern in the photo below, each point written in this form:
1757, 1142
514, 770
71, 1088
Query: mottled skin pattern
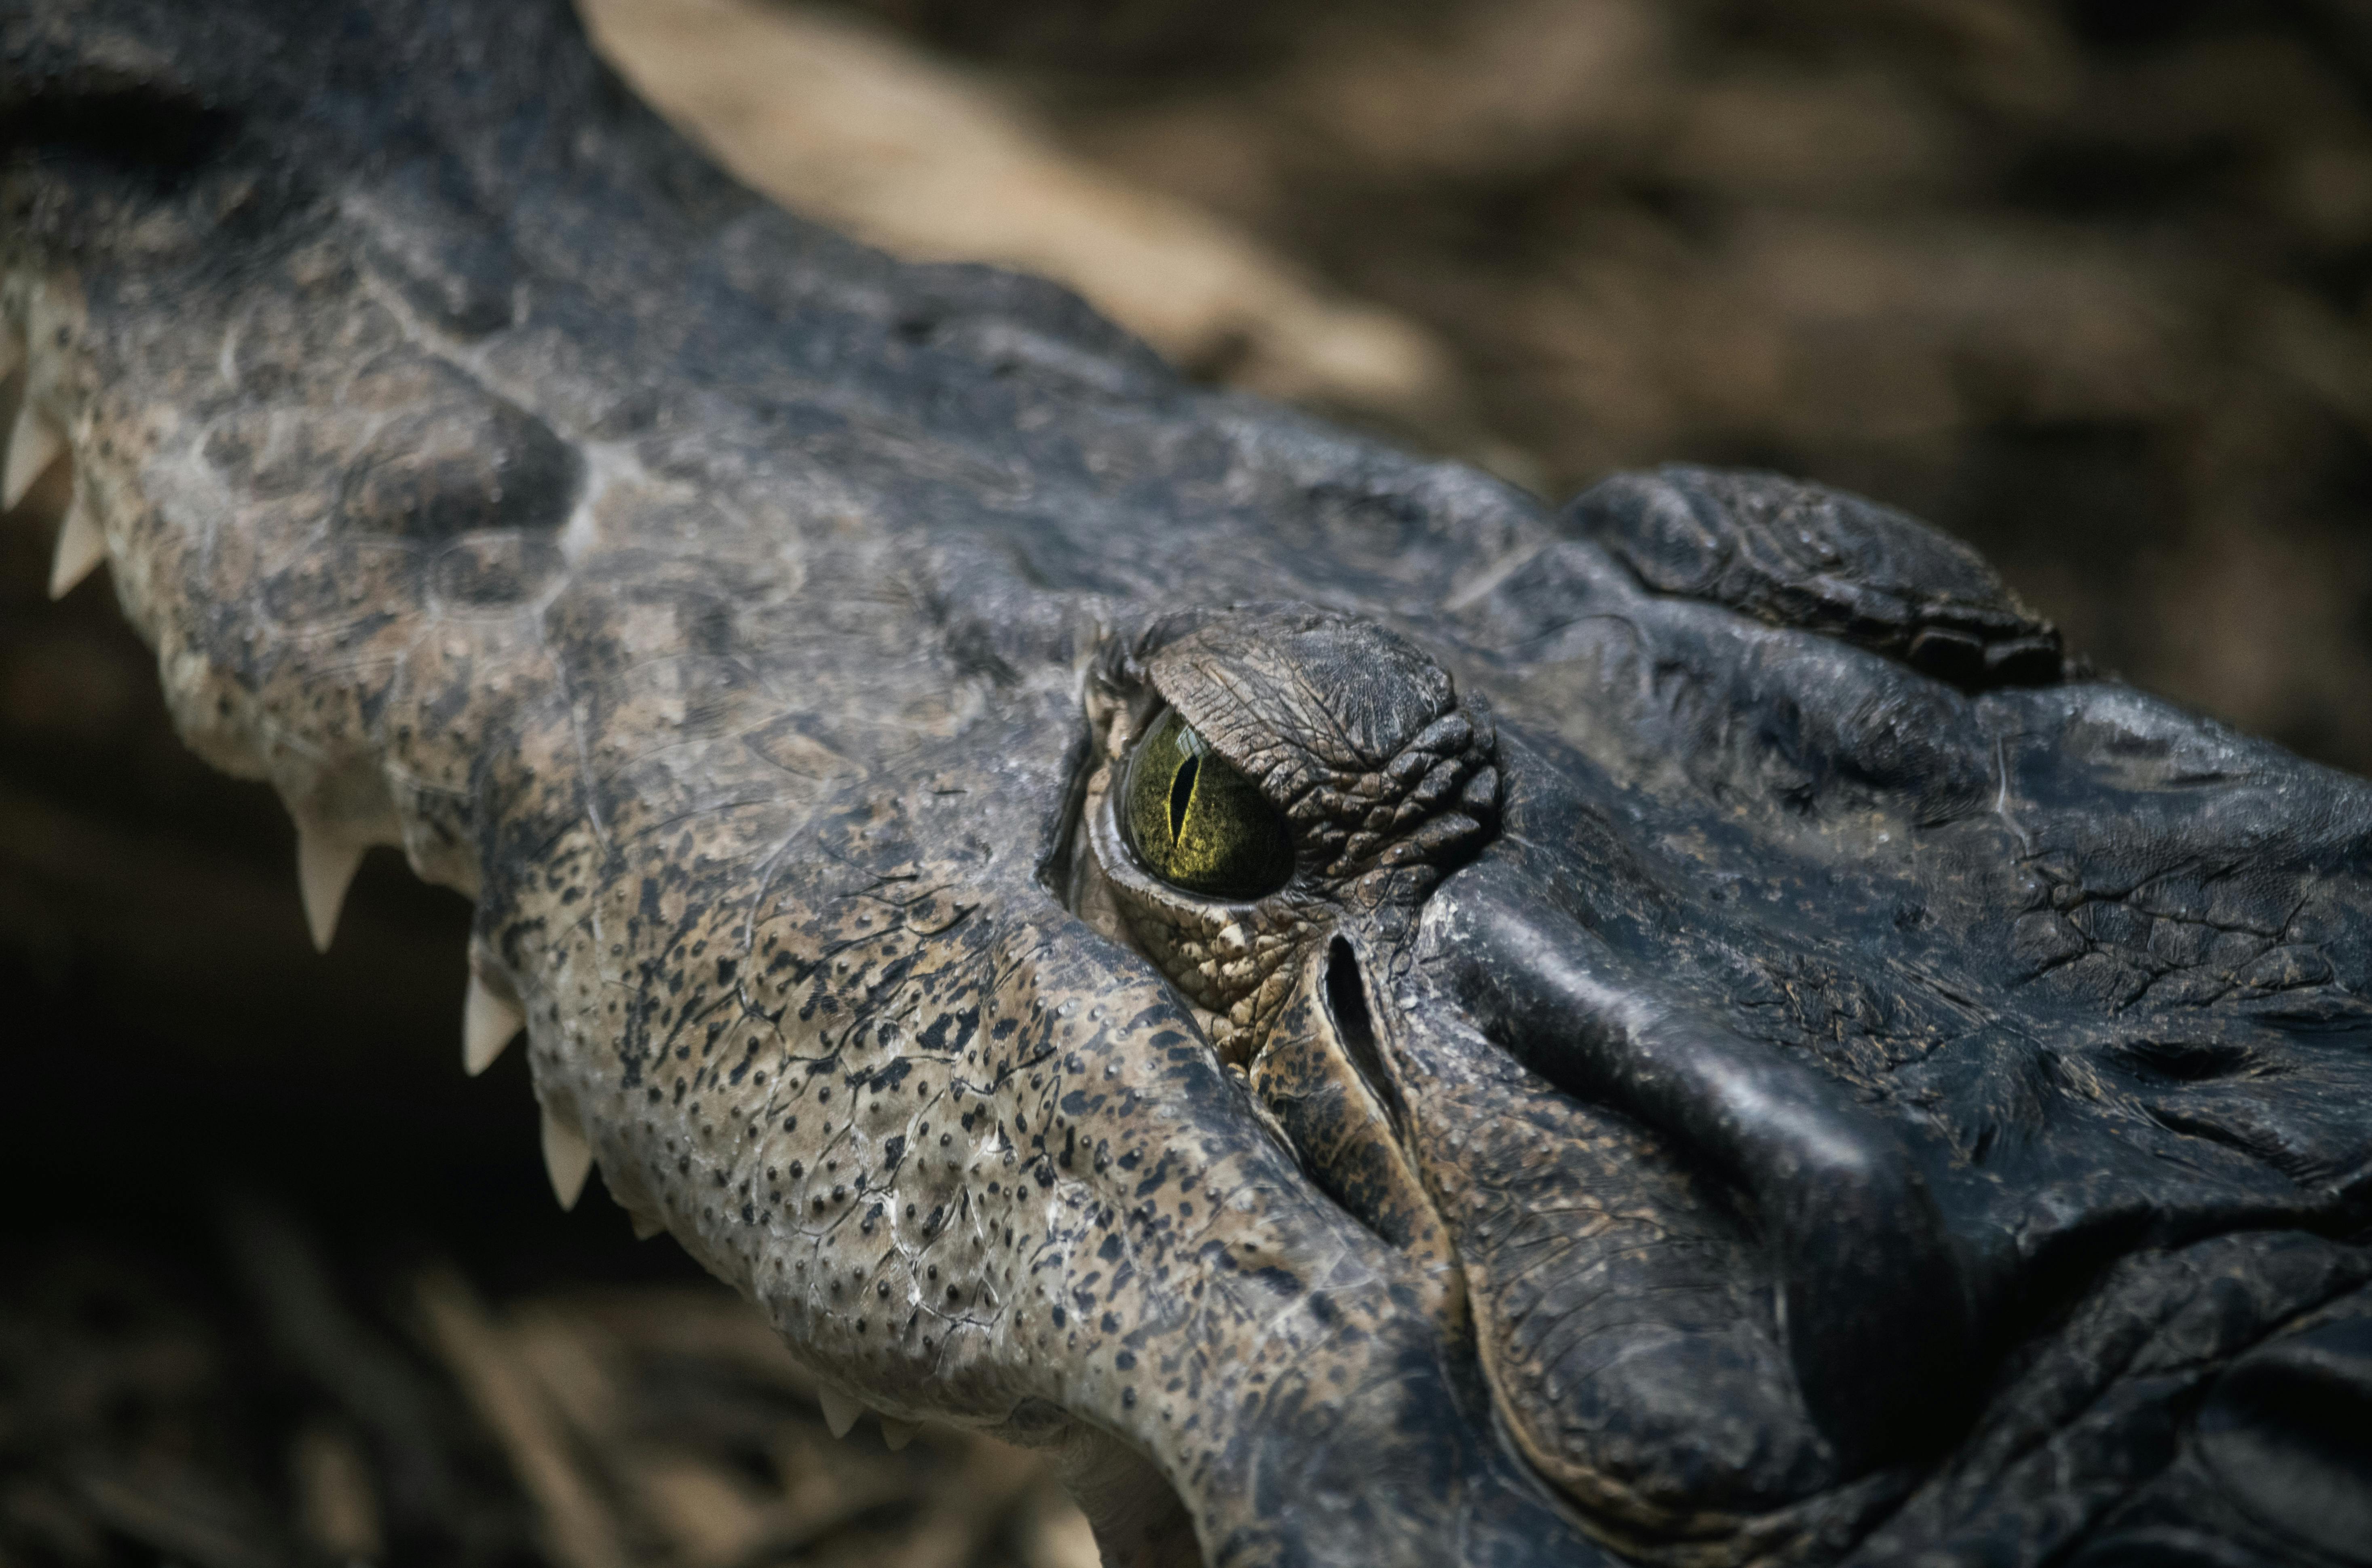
1760, 1059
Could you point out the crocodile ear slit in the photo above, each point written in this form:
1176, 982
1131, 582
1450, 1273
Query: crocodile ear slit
325, 869
82, 545
567, 1159
489, 1022
33, 446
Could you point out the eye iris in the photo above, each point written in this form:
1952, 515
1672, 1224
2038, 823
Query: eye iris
1199, 823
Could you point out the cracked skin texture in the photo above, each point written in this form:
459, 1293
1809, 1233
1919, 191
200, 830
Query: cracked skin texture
1760, 1058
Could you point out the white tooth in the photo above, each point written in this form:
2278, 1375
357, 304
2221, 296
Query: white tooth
33, 446
488, 1023
325, 869
840, 1411
645, 1226
567, 1159
82, 545
898, 1433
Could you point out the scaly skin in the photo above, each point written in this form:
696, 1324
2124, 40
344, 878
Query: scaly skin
1731, 1078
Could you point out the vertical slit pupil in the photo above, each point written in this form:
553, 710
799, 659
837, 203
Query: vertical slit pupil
1181, 793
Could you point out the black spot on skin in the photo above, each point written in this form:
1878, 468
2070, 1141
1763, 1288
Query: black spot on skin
155, 132
468, 462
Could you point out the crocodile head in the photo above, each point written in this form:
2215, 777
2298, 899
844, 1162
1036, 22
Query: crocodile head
1388, 1025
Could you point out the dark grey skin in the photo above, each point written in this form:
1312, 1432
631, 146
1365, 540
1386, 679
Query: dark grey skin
1757, 1059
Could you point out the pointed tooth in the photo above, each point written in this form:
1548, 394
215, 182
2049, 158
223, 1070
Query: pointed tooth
488, 1024
82, 545
33, 446
647, 1225
898, 1433
840, 1411
325, 869
567, 1159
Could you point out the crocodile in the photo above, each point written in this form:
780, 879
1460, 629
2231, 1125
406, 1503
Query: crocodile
1381, 1021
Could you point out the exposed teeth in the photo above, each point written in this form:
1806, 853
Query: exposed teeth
898, 1433
840, 1411
33, 446
646, 1226
325, 869
82, 545
567, 1159
488, 1023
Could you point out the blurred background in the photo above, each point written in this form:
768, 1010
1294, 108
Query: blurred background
2084, 281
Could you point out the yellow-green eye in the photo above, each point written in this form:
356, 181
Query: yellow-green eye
1199, 823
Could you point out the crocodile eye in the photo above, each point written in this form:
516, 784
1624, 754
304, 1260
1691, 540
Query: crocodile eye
1198, 823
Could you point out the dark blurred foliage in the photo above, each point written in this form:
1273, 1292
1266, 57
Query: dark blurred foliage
2084, 282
